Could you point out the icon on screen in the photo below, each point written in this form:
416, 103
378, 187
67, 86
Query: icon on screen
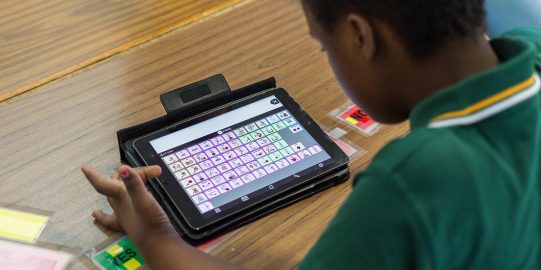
275, 101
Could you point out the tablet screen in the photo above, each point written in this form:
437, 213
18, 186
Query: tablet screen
243, 153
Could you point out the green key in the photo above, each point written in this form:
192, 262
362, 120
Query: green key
280, 144
275, 137
266, 160
268, 130
256, 135
246, 139
279, 126
287, 151
276, 156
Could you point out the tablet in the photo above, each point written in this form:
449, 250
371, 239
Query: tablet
231, 158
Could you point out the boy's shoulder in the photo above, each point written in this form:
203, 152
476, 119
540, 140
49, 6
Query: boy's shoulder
426, 152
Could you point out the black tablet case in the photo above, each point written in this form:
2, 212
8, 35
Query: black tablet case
192, 100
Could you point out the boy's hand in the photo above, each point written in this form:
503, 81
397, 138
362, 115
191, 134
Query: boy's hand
136, 212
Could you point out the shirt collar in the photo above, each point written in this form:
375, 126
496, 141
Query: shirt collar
483, 95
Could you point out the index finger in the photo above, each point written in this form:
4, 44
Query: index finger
101, 183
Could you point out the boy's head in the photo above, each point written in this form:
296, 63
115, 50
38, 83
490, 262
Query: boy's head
374, 45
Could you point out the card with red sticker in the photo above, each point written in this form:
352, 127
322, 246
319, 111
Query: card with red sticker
357, 118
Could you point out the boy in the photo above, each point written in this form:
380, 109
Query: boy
461, 191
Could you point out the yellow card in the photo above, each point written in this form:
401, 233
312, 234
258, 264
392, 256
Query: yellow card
20, 226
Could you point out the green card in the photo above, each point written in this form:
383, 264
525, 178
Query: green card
121, 255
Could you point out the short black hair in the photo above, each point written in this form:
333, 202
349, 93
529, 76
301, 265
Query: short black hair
423, 26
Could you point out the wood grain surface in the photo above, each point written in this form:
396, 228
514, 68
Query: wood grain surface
41, 41
47, 134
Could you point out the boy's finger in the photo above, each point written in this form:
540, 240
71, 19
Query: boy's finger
102, 184
108, 221
136, 188
149, 172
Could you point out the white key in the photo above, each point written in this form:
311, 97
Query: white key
206, 185
236, 183
205, 207
170, 159
175, 167
193, 190
199, 198
211, 193
188, 182
224, 188
218, 180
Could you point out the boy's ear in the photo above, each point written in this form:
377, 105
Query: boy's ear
364, 35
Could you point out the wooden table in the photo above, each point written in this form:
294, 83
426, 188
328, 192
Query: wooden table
47, 134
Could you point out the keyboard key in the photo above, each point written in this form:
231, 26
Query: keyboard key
257, 135
199, 198
194, 169
183, 154
263, 141
230, 175
275, 137
276, 156
218, 160
252, 146
253, 165
200, 177
280, 144
290, 121
260, 173
206, 164
259, 153
279, 126
229, 136
187, 162
224, 188
235, 143
175, 167
182, 174
287, 151
251, 127
271, 168
235, 163
217, 140
224, 167
206, 185
262, 123
170, 159
241, 151
211, 193
194, 149
246, 139
240, 132
236, 183
206, 145
298, 147
212, 152
284, 115
315, 149
273, 119
264, 161
230, 155
188, 182
282, 163
295, 129
242, 170
270, 149
200, 157
247, 158
293, 159
212, 172
205, 207
268, 130
304, 154
247, 178
223, 148
218, 180
193, 190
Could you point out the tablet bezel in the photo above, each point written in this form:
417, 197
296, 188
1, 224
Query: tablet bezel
183, 202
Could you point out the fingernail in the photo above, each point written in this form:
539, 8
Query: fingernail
124, 174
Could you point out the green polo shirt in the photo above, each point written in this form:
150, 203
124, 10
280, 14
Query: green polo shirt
462, 190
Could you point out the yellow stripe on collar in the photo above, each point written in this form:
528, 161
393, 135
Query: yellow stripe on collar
487, 102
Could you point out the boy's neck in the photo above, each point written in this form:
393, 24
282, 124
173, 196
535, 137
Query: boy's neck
456, 62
